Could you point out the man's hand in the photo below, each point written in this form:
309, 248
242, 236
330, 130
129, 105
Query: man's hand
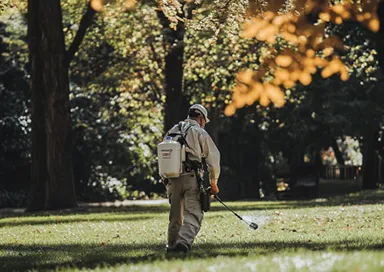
214, 188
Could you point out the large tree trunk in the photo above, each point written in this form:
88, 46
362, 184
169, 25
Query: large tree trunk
52, 177
176, 103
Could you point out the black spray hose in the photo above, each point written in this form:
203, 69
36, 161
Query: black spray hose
251, 224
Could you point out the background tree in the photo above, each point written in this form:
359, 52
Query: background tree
299, 31
52, 173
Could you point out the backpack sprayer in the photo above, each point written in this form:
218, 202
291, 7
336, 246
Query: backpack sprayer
250, 224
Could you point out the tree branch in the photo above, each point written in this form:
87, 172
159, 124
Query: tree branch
85, 22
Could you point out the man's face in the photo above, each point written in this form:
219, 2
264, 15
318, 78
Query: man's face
202, 122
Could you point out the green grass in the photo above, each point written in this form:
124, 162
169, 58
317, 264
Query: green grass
340, 234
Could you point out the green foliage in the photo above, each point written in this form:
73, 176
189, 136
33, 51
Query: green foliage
115, 94
14, 107
13, 199
115, 100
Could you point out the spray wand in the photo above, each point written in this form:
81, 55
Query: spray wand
250, 224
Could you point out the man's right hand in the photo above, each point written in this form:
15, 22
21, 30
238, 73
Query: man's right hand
214, 187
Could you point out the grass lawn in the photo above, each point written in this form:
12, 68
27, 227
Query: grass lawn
337, 234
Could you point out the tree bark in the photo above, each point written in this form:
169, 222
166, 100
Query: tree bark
85, 23
52, 177
176, 103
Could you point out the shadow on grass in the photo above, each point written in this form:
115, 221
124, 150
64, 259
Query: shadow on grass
63, 220
134, 209
41, 256
360, 198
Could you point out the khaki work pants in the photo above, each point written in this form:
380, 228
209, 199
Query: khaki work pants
185, 215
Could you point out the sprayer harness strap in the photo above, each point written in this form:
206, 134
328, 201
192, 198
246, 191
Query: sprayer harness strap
183, 136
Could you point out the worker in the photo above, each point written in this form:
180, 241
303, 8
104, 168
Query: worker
186, 215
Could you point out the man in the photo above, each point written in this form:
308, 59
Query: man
186, 215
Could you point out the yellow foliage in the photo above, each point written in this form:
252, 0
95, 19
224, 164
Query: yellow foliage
256, 90
294, 75
310, 53
267, 34
230, 110
289, 84
129, 4
245, 76
302, 39
374, 25
319, 62
283, 60
310, 69
251, 28
292, 38
275, 94
326, 17
338, 20
344, 76
367, 15
97, 5
311, 47
291, 28
305, 78
327, 72
264, 99
328, 51
338, 8
282, 74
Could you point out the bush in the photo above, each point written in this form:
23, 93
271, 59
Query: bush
13, 199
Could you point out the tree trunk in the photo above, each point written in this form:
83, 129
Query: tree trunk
369, 169
176, 103
52, 177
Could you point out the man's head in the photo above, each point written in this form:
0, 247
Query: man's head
198, 112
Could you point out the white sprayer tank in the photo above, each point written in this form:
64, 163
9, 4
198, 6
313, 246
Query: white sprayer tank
169, 154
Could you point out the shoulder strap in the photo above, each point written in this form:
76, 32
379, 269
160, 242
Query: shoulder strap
184, 136
180, 133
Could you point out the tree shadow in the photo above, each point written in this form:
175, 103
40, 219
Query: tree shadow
63, 220
133, 209
360, 198
42, 256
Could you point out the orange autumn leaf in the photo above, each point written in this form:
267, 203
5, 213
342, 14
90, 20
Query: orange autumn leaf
283, 60
328, 51
97, 5
305, 78
264, 99
230, 110
245, 76
129, 4
275, 94
374, 25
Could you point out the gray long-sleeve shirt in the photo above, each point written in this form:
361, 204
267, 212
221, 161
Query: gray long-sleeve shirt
201, 146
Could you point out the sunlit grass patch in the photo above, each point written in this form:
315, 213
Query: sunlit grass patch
345, 234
